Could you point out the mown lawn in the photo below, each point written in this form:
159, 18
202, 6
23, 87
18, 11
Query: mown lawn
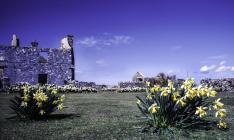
98, 116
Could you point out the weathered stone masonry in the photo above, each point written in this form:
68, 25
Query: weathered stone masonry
37, 65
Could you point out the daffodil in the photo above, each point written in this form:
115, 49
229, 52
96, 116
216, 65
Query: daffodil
39, 104
202, 91
188, 83
42, 112
147, 83
40, 96
62, 98
165, 91
55, 102
170, 85
138, 102
218, 104
190, 94
156, 88
154, 108
222, 125
149, 97
60, 107
221, 113
175, 96
181, 102
24, 104
49, 88
193, 91
25, 98
211, 93
201, 111
25, 89
54, 91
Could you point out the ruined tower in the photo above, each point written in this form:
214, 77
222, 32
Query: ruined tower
15, 41
67, 44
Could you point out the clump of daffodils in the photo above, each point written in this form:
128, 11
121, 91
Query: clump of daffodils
183, 106
37, 102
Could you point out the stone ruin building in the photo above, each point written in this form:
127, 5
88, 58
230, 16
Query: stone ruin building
138, 80
138, 77
36, 65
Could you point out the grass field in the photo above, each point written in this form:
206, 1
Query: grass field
98, 116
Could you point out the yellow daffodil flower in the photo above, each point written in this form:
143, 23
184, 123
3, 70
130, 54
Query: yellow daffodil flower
175, 96
154, 108
40, 96
222, 125
189, 96
62, 98
221, 113
202, 91
54, 91
211, 93
218, 104
170, 84
55, 102
188, 83
49, 88
156, 88
25, 98
39, 104
24, 104
149, 97
147, 83
165, 91
138, 102
181, 102
26, 89
201, 111
193, 91
60, 107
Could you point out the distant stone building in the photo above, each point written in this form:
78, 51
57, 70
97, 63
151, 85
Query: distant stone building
138, 80
36, 65
138, 77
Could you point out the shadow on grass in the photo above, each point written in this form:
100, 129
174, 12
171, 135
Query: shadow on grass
49, 117
61, 116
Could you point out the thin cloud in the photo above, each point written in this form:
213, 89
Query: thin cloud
105, 40
223, 69
176, 47
89, 41
222, 63
101, 62
206, 69
218, 57
215, 58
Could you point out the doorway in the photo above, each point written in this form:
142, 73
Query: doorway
1, 86
42, 78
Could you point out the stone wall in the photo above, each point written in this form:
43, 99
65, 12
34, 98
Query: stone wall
226, 84
131, 84
24, 64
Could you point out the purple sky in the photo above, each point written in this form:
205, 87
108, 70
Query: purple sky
116, 38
